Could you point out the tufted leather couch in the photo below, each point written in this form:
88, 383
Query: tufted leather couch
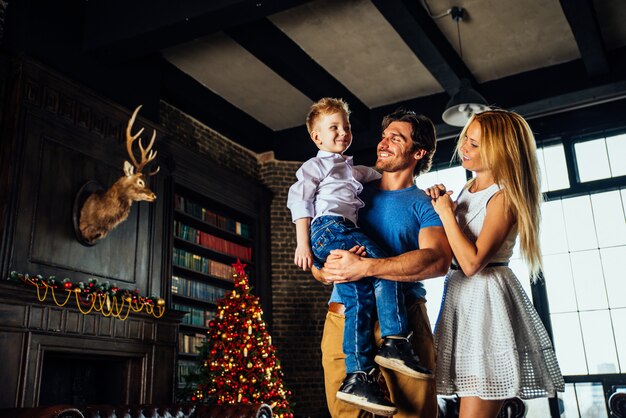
141, 411
617, 404
511, 408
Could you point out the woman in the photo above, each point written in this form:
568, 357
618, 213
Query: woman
491, 344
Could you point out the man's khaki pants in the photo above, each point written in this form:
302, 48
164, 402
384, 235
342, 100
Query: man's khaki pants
414, 398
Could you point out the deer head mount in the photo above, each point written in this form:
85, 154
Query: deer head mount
104, 210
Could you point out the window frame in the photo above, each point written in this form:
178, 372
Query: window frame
576, 188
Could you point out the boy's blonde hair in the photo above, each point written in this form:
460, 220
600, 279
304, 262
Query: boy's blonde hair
508, 149
325, 106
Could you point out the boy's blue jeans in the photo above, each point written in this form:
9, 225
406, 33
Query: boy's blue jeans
360, 297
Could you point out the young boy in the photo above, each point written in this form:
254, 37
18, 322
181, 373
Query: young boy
327, 193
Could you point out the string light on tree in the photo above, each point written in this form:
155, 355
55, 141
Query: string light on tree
238, 362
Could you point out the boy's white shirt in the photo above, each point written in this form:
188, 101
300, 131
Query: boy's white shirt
329, 184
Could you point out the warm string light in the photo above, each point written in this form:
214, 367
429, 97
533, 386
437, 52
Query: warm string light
93, 296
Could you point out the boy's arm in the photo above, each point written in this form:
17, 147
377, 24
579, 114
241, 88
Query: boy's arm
301, 195
301, 203
303, 257
431, 260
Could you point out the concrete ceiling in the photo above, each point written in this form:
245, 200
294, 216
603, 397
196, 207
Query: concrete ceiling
354, 42
362, 45
251, 68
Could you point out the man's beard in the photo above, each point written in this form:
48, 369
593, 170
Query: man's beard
392, 165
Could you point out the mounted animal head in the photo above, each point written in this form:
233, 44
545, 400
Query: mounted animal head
104, 210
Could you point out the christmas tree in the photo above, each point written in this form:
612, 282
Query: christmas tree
238, 363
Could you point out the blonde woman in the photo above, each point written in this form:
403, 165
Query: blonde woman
491, 344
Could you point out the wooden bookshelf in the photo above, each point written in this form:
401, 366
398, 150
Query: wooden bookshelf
207, 239
215, 216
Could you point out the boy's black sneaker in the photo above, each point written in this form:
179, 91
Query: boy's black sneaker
397, 354
361, 389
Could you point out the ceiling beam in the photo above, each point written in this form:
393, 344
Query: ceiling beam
279, 52
431, 47
567, 89
581, 17
122, 29
184, 92
575, 100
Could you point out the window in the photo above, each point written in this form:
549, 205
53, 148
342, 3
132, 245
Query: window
454, 178
583, 239
553, 167
585, 400
601, 158
585, 282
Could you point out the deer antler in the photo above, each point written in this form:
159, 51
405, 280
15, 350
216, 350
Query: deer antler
147, 154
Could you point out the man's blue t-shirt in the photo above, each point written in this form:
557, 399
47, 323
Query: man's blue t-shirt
393, 219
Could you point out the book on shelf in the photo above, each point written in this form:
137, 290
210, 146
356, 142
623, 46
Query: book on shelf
197, 290
211, 242
208, 317
191, 261
190, 343
195, 316
184, 368
196, 210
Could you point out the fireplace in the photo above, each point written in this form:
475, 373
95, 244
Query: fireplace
88, 374
58, 355
83, 379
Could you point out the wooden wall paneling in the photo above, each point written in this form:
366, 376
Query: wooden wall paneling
62, 135
10, 150
12, 345
57, 164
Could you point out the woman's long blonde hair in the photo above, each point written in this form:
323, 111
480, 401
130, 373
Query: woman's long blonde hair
508, 149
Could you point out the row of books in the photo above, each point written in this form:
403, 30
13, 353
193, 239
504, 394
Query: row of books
205, 265
184, 368
211, 242
196, 289
195, 316
190, 343
198, 211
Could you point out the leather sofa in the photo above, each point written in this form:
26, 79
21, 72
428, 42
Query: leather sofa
617, 404
511, 408
141, 411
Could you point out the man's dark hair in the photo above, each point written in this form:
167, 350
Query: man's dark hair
422, 134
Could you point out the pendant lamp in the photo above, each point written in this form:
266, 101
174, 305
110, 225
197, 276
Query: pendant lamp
466, 101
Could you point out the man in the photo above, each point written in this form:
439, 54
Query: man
399, 217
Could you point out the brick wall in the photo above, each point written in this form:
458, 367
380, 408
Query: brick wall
205, 140
299, 302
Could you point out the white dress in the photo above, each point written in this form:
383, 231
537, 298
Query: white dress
490, 341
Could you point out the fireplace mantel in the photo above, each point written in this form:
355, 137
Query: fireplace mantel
29, 329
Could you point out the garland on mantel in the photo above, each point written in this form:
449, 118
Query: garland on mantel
92, 295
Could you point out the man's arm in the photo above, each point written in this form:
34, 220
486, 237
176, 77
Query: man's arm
431, 260
321, 275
